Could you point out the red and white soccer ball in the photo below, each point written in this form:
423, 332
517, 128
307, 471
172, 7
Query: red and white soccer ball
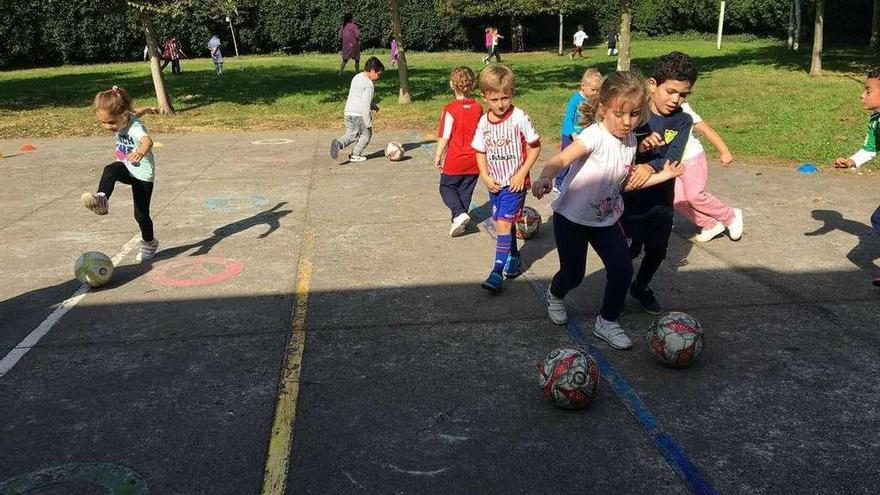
675, 338
528, 224
394, 151
569, 378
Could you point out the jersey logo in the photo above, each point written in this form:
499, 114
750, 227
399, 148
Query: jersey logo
669, 135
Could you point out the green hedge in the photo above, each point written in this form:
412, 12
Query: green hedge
75, 31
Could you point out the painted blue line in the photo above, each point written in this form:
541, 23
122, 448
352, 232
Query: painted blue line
674, 454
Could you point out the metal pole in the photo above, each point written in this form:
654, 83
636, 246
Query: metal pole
234, 43
720, 24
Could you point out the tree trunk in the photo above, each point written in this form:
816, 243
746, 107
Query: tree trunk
816, 64
791, 26
158, 82
623, 57
560, 33
402, 72
875, 26
797, 24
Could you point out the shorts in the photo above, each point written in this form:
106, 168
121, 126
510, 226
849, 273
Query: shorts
507, 205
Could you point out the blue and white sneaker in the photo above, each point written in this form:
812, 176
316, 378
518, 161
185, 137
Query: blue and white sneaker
493, 282
512, 266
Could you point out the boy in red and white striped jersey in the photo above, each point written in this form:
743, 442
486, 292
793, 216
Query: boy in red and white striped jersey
507, 147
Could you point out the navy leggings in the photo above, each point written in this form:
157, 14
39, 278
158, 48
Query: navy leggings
141, 192
572, 240
457, 191
650, 231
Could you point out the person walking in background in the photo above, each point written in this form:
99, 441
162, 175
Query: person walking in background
171, 52
518, 36
395, 54
350, 35
613, 37
216, 55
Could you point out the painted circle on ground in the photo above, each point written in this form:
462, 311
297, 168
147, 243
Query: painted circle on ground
272, 141
235, 202
113, 478
196, 270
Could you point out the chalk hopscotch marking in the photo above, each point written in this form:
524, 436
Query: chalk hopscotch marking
196, 270
235, 202
271, 141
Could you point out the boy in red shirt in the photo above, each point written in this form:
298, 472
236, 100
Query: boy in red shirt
458, 168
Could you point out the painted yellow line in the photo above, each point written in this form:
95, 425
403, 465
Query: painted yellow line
281, 439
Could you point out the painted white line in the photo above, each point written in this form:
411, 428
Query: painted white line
18, 352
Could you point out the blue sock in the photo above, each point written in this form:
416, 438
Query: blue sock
514, 250
502, 250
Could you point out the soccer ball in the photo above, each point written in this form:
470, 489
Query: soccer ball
528, 224
569, 378
675, 338
394, 151
93, 269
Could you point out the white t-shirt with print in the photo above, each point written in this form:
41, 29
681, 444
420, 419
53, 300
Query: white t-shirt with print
579, 38
505, 142
591, 192
693, 148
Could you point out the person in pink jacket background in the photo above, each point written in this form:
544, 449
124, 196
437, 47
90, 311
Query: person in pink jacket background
350, 35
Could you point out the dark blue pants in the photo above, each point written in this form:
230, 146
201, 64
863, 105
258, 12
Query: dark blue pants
457, 191
572, 240
560, 177
875, 220
650, 232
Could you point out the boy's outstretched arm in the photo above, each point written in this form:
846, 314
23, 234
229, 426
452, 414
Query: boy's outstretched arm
724, 154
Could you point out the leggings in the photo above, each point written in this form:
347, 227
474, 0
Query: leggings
609, 242
141, 192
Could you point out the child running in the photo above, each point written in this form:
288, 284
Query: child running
455, 157
588, 210
358, 121
507, 146
135, 165
870, 101
591, 81
578, 40
691, 199
395, 54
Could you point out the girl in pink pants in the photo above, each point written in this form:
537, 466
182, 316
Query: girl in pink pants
691, 199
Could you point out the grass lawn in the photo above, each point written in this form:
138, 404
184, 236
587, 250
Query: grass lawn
756, 94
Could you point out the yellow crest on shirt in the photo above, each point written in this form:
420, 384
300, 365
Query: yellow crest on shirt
669, 135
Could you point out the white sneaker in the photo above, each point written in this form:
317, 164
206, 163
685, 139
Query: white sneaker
707, 235
735, 229
357, 158
610, 332
97, 202
147, 250
459, 224
556, 309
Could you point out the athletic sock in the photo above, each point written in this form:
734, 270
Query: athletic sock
502, 250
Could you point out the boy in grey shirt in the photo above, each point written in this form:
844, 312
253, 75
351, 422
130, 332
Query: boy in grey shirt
358, 123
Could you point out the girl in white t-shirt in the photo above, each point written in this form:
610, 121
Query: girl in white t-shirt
588, 209
691, 199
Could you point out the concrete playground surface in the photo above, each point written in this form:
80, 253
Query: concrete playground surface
413, 380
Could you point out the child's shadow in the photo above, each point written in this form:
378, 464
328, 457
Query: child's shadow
865, 252
271, 218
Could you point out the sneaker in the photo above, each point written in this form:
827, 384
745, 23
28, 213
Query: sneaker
493, 282
357, 158
647, 299
335, 146
876, 282
512, 267
459, 224
97, 202
735, 229
556, 309
707, 235
610, 332
147, 250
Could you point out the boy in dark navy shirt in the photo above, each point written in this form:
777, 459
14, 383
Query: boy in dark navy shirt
647, 213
